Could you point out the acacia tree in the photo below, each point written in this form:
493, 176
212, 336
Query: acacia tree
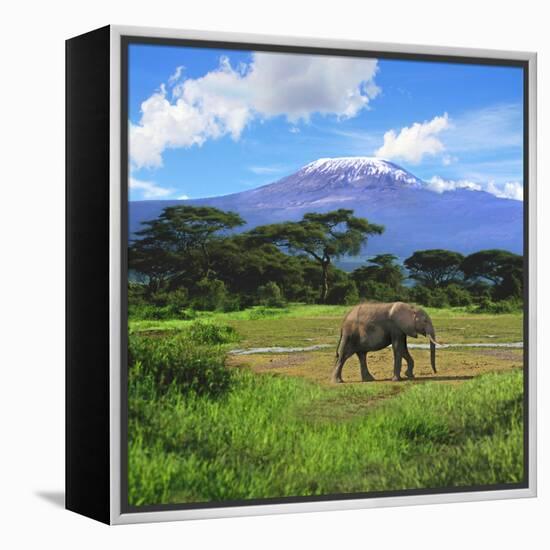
502, 268
150, 257
323, 237
384, 269
165, 245
434, 267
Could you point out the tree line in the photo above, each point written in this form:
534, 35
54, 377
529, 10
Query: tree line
189, 257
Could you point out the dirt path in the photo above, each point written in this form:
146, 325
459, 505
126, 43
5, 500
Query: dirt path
454, 364
282, 349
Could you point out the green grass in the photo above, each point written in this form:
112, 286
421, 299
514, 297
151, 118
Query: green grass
260, 435
273, 436
304, 325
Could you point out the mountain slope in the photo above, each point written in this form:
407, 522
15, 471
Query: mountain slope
415, 217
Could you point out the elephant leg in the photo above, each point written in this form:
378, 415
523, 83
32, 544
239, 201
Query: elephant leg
410, 361
343, 355
397, 358
366, 376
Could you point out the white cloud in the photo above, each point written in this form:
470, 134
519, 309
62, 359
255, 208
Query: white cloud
507, 190
294, 130
223, 101
184, 197
148, 189
173, 78
299, 85
440, 185
414, 142
267, 170
448, 160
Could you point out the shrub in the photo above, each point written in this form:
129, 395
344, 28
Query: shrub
380, 292
136, 293
150, 312
270, 295
232, 303
344, 293
458, 296
421, 295
211, 334
452, 295
160, 306
480, 289
211, 295
504, 306
177, 299
305, 294
438, 298
262, 312
179, 361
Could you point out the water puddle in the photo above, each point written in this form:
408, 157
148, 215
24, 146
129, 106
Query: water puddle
514, 345
280, 349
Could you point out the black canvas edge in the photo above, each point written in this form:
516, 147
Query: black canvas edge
129, 39
87, 398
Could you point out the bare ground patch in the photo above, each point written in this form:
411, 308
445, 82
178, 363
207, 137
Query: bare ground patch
454, 365
505, 355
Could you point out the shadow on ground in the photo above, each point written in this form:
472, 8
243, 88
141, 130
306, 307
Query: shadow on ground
57, 498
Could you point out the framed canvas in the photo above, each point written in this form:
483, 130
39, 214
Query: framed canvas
300, 274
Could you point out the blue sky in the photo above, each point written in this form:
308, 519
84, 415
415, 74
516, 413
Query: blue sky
207, 122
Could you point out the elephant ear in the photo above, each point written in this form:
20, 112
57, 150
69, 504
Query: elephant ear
403, 315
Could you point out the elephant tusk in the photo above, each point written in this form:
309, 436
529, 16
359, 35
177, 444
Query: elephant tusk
434, 341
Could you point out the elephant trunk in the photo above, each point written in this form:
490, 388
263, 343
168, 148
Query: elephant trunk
430, 333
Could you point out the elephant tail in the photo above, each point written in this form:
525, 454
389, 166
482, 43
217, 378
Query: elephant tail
338, 346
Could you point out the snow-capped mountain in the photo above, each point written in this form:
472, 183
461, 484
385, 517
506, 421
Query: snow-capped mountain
355, 169
415, 217
332, 179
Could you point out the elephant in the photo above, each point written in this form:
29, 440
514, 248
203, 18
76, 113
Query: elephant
374, 326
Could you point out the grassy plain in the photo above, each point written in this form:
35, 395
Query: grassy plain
283, 430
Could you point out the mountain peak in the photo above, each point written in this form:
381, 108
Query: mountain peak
335, 163
415, 217
356, 168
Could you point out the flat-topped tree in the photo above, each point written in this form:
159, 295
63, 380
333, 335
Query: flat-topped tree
166, 243
323, 237
504, 269
436, 267
384, 269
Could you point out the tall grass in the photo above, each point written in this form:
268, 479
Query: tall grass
291, 311
191, 360
268, 436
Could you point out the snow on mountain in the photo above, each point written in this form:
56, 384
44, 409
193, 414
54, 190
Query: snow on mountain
415, 217
351, 169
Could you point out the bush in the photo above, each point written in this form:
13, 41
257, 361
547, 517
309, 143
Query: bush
504, 306
420, 295
262, 312
232, 303
160, 306
458, 296
270, 295
178, 361
479, 290
211, 334
305, 294
380, 292
177, 299
151, 312
343, 293
452, 295
438, 298
211, 295
136, 293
